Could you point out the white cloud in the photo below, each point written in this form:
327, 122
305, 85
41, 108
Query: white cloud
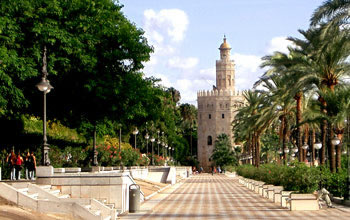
183, 63
278, 44
247, 70
170, 22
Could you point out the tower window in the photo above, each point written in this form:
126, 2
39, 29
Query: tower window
223, 116
210, 140
209, 116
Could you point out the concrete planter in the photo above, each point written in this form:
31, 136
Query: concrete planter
271, 192
304, 202
284, 198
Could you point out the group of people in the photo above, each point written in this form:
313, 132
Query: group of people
16, 163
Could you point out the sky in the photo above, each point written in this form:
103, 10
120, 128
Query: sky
186, 35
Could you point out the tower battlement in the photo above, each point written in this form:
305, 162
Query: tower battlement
204, 93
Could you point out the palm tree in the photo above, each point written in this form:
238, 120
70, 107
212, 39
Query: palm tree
332, 12
324, 65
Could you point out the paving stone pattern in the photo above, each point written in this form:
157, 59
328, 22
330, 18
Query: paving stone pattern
219, 197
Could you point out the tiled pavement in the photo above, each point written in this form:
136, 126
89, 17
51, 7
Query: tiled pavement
220, 197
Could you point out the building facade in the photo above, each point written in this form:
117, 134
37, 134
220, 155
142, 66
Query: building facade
216, 108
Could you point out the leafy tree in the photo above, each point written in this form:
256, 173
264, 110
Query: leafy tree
223, 154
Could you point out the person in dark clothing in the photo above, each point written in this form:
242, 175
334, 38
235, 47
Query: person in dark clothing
31, 165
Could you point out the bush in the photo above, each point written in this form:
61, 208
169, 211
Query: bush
297, 177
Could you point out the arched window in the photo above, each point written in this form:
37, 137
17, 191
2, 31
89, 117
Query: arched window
210, 140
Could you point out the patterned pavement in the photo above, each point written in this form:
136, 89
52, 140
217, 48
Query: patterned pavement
220, 197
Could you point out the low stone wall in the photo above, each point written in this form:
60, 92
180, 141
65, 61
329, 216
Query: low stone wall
287, 199
112, 186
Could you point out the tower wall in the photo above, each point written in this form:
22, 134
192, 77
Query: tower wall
221, 106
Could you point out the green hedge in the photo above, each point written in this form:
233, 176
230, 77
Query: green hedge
297, 177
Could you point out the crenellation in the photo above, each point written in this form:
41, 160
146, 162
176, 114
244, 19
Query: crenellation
216, 108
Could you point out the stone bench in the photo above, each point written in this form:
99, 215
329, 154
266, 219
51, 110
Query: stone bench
271, 192
305, 202
257, 186
277, 195
284, 198
264, 190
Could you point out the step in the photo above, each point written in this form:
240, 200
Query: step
88, 207
110, 205
23, 190
108, 218
64, 196
102, 200
45, 187
33, 195
55, 192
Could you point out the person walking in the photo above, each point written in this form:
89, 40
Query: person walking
26, 165
31, 163
11, 160
18, 165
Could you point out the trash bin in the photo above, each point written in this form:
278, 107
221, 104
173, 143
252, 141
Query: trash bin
134, 198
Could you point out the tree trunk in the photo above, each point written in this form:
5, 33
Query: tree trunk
323, 131
331, 149
338, 149
285, 139
313, 139
257, 151
297, 97
253, 149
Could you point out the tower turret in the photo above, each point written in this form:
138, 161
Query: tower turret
225, 72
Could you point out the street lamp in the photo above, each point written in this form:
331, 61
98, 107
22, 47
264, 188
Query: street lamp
305, 146
146, 137
318, 146
152, 140
45, 87
120, 137
158, 142
135, 132
335, 140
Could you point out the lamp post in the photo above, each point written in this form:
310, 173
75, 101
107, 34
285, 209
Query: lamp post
158, 141
120, 137
152, 140
163, 144
135, 132
318, 146
304, 147
146, 137
45, 87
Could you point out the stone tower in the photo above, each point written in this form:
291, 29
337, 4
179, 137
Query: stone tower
216, 108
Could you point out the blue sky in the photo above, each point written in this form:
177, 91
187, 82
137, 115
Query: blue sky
186, 35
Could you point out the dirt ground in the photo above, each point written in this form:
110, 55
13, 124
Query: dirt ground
9, 211
149, 187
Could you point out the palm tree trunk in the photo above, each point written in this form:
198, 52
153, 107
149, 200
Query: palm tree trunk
338, 156
257, 151
285, 139
331, 149
313, 139
338, 149
297, 97
253, 149
323, 131
324, 142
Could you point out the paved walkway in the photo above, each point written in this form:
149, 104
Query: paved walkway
220, 197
